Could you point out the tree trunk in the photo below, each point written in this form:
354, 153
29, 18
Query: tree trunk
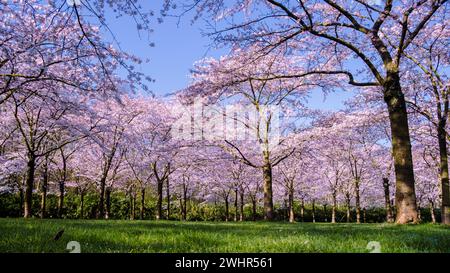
133, 206
357, 201
405, 196
61, 198
325, 212
226, 209
268, 199
101, 202
445, 186
62, 185
159, 200
302, 210
168, 198
387, 200
108, 202
314, 211
254, 209
419, 213
44, 188
241, 208
236, 194
82, 204
364, 215
142, 208
347, 205
433, 216
21, 197
31, 165
291, 206
184, 211
333, 209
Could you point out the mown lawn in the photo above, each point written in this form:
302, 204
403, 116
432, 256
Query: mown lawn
33, 235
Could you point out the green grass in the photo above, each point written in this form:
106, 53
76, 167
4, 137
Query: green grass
33, 235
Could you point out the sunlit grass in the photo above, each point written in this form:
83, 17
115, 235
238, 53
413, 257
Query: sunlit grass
33, 235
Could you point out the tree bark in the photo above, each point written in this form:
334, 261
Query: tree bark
31, 165
184, 207
142, 208
302, 210
445, 186
357, 201
241, 214
347, 205
405, 196
236, 194
325, 212
268, 199
44, 188
108, 202
254, 209
314, 211
82, 204
387, 201
226, 209
159, 199
61, 198
168, 197
291, 206
62, 184
101, 202
433, 216
333, 209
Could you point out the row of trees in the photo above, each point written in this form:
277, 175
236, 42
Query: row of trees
69, 122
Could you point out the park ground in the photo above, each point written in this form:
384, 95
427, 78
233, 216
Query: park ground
34, 235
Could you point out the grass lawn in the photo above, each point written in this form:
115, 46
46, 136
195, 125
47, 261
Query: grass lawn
33, 235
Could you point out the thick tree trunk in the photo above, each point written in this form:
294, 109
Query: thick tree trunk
405, 196
445, 186
387, 201
291, 206
159, 199
31, 165
44, 188
108, 202
142, 208
357, 201
268, 199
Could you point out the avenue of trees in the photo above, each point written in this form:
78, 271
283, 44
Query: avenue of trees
78, 140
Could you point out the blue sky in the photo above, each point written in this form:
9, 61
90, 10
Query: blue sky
176, 48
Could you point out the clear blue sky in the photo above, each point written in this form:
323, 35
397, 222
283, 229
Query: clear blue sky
176, 48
